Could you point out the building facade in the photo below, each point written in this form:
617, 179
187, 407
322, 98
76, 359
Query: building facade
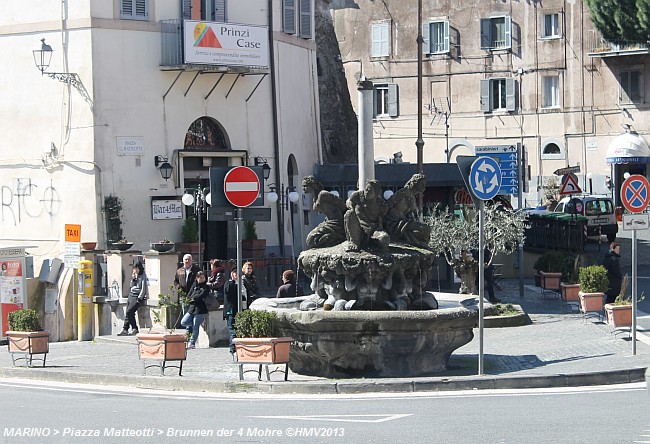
136, 85
499, 74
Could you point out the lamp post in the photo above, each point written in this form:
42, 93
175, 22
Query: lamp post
200, 198
287, 195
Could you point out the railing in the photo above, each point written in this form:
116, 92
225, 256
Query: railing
553, 234
172, 42
602, 47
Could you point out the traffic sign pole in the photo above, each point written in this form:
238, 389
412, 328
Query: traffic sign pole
481, 283
634, 290
240, 231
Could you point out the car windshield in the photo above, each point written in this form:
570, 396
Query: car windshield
598, 207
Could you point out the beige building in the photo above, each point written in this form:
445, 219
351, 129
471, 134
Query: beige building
500, 73
125, 87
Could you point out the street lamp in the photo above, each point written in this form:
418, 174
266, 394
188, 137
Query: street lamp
42, 58
266, 168
164, 166
286, 195
200, 198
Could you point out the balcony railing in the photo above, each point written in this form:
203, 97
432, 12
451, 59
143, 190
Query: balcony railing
599, 47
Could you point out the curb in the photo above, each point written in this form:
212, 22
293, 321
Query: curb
336, 387
516, 320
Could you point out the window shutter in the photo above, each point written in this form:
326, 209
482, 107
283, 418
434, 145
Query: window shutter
393, 102
446, 26
385, 39
376, 40
289, 16
485, 95
374, 101
127, 9
486, 41
220, 10
508, 33
186, 9
510, 94
305, 19
134, 9
426, 31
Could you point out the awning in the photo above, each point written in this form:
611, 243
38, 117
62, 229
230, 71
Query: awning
391, 175
628, 148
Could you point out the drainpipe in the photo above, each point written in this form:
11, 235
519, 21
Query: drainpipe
274, 113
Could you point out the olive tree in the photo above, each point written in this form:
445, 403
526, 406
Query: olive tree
456, 237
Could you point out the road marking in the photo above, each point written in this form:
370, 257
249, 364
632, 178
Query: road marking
340, 418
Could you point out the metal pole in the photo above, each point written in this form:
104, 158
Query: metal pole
283, 199
634, 290
240, 230
481, 283
419, 143
520, 186
199, 214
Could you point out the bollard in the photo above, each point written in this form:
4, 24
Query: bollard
84, 301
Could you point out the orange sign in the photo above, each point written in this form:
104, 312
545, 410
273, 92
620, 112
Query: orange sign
72, 233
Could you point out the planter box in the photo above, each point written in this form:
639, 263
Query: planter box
28, 344
618, 315
550, 283
263, 351
161, 247
569, 294
164, 348
591, 303
253, 248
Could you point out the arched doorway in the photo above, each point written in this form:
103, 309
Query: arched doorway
204, 138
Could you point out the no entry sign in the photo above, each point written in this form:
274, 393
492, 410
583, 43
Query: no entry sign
635, 193
241, 186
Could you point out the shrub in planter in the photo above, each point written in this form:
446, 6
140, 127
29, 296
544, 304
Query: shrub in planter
24, 319
593, 284
256, 324
26, 336
255, 341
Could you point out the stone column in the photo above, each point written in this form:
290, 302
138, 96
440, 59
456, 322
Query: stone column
366, 148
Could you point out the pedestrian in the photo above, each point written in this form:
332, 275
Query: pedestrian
137, 296
289, 289
250, 285
196, 310
230, 306
217, 278
612, 264
185, 277
488, 275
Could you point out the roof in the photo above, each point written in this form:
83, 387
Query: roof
393, 174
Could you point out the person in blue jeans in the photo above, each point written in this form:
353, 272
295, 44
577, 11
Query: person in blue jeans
230, 305
196, 310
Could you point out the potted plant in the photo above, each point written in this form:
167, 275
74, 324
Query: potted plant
619, 313
252, 246
549, 262
256, 341
26, 336
593, 284
190, 236
121, 245
163, 246
163, 347
569, 290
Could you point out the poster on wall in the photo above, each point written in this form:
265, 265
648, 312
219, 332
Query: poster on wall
12, 283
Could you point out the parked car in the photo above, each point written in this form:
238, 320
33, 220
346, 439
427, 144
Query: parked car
599, 211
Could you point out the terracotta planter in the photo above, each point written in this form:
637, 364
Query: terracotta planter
262, 351
28, 343
253, 248
88, 246
164, 348
550, 283
570, 292
618, 315
591, 303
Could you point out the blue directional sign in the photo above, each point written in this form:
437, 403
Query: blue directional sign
485, 178
506, 156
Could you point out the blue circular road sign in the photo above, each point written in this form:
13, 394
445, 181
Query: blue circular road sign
635, 194
485, 178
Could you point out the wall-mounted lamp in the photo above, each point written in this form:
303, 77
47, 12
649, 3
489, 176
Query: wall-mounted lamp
265, 167
42, 58
164, 166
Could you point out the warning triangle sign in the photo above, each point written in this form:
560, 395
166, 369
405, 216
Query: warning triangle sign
570, 185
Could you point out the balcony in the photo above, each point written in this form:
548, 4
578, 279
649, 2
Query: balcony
173, 53
599, 47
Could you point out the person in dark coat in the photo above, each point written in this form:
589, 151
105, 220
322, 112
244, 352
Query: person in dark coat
289, 289
137, 296
612, 264
488, 275
249, 283
217, 278
230, 306
196, 310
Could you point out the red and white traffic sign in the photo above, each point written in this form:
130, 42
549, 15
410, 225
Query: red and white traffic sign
635, 193
241, 186
570, 185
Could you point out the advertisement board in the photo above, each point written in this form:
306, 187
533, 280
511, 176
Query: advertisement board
12, 283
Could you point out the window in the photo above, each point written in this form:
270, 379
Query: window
497, 94
631, 86
496, 33
385, 100
551, 98
436, 37
209, 10
380, 39
551, 25
134, 9
296, 17
553, 149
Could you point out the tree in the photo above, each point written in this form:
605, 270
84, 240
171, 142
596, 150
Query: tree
620, 19
456, 237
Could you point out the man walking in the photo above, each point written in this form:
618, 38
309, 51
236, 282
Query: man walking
612, 264
185, 277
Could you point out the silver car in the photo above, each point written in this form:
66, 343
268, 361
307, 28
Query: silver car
599, 211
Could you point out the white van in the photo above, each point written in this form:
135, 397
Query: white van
599, 211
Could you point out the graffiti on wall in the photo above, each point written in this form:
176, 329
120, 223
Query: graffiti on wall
22, 199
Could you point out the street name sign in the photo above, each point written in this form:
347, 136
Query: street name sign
508, 161
567, 170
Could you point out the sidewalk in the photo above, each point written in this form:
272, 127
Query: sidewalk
558, 349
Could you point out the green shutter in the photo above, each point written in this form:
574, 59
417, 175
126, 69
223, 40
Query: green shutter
289, 16
305, 19
393, 100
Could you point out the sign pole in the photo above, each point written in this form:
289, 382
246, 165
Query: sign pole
634, 290
481, 282
520, 205
240, 231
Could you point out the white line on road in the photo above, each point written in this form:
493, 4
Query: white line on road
341, 418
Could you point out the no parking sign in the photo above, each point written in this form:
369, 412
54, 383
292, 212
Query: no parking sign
635, 193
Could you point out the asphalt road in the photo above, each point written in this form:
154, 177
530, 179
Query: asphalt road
69, 414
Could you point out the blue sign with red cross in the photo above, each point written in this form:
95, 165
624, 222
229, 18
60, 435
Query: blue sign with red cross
635, 193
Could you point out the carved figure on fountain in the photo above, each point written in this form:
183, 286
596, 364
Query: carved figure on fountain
364, 218
331, 231
401, 220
